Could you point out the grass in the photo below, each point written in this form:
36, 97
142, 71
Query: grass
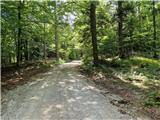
153, 99
137, 73
136, 79
141, 73
148, 67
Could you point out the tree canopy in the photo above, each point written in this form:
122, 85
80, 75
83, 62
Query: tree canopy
87, 30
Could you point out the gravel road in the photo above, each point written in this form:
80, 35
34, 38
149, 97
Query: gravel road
59, 94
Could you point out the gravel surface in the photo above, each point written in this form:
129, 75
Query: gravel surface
59, 94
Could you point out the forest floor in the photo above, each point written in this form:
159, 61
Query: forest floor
13, 76
62, 92
136, 80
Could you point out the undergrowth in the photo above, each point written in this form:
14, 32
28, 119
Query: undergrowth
138, 73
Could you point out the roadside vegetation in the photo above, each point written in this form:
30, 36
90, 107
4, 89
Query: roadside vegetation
13, 76
118, 43
135, 79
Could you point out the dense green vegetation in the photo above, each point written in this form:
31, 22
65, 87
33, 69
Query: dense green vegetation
123, 36
56, 29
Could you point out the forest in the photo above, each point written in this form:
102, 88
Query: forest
117, 42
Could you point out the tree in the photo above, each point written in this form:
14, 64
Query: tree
86, 28
19, 40
44, 42
93, 32
56, 32
120, 27
154, 28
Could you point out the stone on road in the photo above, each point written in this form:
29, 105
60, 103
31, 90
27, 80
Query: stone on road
60, 94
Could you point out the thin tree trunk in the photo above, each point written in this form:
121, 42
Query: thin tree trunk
154, 28
139, 12
120, 26
131, 42
93, 33
44, 45
15, 42
21, 49
10, 59
140, 20
19, 35
56, 34
28, 46
26, 51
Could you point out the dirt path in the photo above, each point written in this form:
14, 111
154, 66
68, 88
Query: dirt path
60, 94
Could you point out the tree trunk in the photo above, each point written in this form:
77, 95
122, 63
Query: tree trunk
56, 35
154, 28
10, 59
26, 51
19, 35
120, 26
21, 49
93, 33
44, 43
140, 20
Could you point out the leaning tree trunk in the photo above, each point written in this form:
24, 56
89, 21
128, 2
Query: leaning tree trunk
120, 26
93, 32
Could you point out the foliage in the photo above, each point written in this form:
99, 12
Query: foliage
73, 28
153, 99
34, 24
